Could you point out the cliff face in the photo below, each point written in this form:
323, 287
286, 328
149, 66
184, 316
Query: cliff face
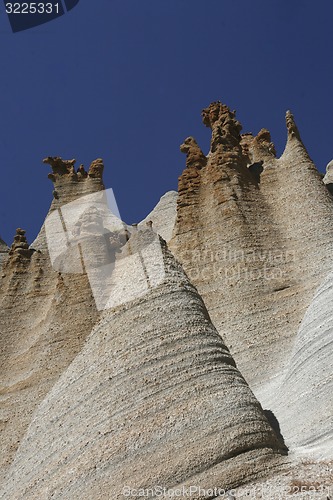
254, 233
125, 363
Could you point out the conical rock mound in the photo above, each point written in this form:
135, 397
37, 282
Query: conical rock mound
154, 398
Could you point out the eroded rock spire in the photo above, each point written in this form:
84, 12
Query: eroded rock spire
194, 155
224, 125
259, 148
294, 147
66, 169
96, 169
61, 168
19, 251
291, 126
20, 244
69, 185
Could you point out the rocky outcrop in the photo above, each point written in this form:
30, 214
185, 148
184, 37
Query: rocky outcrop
222, 233
154, 398
194, 156
64, 170
20, 251
69, 185
36, 344
244, 240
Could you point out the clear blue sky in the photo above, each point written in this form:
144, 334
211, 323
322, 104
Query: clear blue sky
126, 80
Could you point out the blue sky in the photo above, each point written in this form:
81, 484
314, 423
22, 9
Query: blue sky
126, 80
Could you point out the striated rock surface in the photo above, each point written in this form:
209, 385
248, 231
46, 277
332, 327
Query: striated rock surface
154, 398
45, 317
303, 400
36, 344
254, 233
163, 217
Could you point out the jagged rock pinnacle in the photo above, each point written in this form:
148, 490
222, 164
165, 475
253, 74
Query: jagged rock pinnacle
81, 171
295, 146
20, 247
225, 127
258, 148
61, 168
291, 126
96, 169
195, 157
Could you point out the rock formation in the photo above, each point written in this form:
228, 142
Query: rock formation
243, 239
20, 251
328, 179
45, 317
163, 217
120, 416
128, 363
70, 185
303, 400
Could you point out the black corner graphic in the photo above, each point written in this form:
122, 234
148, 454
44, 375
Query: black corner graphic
24, 15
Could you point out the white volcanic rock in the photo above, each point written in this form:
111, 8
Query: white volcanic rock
328, 179
164, 215
303, 402
154, 398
